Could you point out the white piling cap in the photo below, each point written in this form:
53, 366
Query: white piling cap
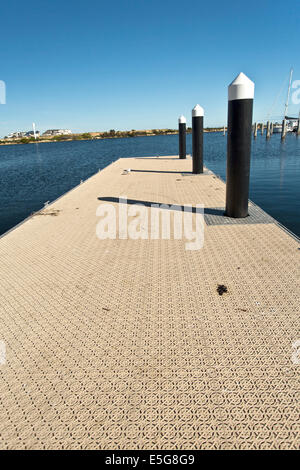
182, 120
241, 88
197, 111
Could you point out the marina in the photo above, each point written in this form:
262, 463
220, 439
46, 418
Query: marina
149, 230
44, 172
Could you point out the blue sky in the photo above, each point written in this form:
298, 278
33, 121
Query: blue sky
139, 64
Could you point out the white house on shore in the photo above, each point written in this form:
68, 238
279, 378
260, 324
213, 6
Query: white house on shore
51, 132
19, 134
16, 135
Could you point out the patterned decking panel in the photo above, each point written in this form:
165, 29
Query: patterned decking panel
216, 216
126, 344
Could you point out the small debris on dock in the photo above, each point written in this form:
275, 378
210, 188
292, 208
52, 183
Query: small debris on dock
221, 289
53, 212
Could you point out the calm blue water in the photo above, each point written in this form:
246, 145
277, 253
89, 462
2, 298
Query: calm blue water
35, 173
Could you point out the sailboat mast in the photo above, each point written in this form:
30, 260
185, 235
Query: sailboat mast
288, 95
33, 127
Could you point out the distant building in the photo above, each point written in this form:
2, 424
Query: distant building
52, 132
31, 134
16, 135
19, 135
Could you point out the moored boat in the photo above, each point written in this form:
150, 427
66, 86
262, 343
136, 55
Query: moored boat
277, 128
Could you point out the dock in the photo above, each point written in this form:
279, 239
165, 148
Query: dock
143, 344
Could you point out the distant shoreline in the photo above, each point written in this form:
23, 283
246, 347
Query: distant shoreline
100, 136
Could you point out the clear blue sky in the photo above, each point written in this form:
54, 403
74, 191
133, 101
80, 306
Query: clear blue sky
139, 64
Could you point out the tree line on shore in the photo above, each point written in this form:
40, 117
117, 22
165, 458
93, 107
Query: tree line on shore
112, 134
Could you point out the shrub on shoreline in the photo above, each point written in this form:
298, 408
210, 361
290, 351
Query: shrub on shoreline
112, 134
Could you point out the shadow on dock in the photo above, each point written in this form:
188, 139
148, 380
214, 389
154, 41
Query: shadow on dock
163, 205
159, 171
154, 158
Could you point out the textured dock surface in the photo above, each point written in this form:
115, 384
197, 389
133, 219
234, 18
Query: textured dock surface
126, 344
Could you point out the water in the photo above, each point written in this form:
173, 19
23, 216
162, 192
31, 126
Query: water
32, 174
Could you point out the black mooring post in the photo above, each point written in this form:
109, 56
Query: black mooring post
182, 136
268, 133
240, 108
197, 125
283, 129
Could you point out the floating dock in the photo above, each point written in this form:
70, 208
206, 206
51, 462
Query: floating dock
128, 344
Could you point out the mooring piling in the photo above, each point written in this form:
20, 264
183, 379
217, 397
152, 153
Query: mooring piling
268, 133
239, 130
182, 136
255, 130
262, 128
271, 128
283, 130
197, 137
224, 131
298, 130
